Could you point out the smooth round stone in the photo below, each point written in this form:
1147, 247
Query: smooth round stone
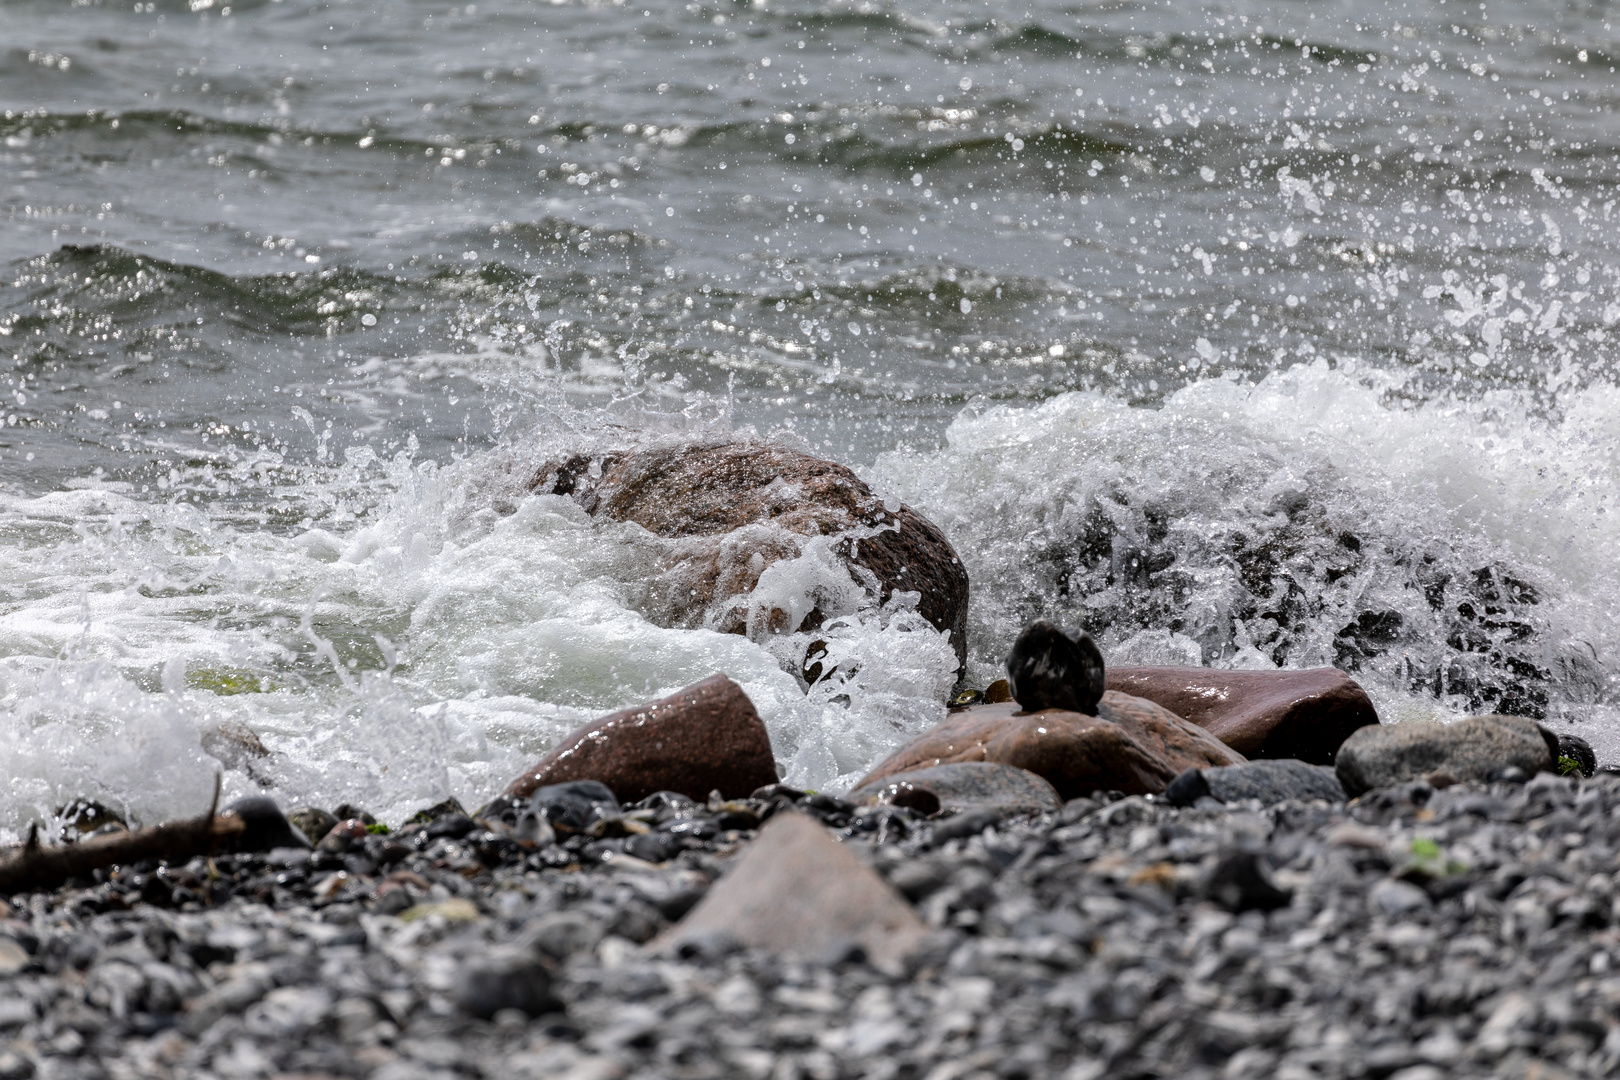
963, 786
1053, 668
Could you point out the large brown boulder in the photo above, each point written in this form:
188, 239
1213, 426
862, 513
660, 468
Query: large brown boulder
1131, 745
743, 506
1260, 714
704, 738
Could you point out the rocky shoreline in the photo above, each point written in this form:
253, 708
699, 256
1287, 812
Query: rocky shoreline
1413, 933
1078, 873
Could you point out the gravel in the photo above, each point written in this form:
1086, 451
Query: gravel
1414, 934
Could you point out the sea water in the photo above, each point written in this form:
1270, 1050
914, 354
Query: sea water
1244, 335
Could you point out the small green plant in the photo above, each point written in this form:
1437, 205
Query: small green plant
1424, 848
377, 828
1427, 857
1568, 766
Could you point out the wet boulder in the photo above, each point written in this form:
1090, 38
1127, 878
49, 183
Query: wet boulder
962, 787
1268, 781
732, 510
1477, 748
704, 738
1304, 715
1130, 745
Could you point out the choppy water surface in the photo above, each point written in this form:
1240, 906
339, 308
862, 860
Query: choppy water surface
1258, 334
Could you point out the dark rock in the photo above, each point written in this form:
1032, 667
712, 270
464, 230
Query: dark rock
968, 785
963, 825
797, 892
1261, 714
704, 738
313, 822
1131, 746
722, 492
575, 805
1269, 781
455, 826
437, 811
87, 815
1241, 880
1471, 749
343, 837
348, 812
510, 980
1053, 668
266, 826
1579, 751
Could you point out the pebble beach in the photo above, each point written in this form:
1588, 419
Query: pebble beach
1413, 933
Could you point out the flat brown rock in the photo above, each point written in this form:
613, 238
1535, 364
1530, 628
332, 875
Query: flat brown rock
745, 505
704, 738
1260, 714
796, 892
1131, 745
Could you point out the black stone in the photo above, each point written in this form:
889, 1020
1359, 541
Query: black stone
1579, 750
455, 826
1187, 788
574, 806
1053, 668
1242, 881
267, 826
436, 811
490, 984
350, 812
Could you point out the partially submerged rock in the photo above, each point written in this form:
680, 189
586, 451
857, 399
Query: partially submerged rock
1268, 781
796, 892
1471, 749
705, 738
746, 505
962, 787
1261, 714
1131, 745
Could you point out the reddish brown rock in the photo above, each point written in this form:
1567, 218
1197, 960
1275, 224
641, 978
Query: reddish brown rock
1131, 745
797, 892
719, 495
1260, 714
705, 738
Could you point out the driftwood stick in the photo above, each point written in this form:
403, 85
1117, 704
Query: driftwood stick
35, 868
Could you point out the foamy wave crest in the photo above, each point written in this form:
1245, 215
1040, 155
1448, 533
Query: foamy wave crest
1459, 553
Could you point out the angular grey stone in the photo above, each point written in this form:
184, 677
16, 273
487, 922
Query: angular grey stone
797, 892
1397, 898
1267, 780
1470, 749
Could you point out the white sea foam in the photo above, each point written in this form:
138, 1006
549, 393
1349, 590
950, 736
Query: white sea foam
1224, 517
446, 628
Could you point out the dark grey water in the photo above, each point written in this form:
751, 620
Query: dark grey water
255, 252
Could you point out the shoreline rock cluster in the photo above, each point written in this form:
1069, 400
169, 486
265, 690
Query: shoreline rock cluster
1080, 873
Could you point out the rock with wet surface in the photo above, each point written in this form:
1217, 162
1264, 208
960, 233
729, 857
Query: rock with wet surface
963, 786
704, 738
1131, 745
1473, 749
1261, 714
737, 507
1269, 782
1050, 667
